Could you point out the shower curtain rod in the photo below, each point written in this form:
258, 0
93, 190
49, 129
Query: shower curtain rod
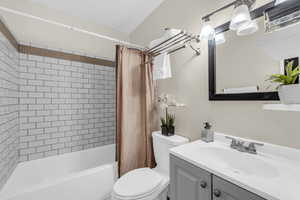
72, 28
155, 50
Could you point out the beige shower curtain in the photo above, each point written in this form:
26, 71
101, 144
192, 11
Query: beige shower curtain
135, 110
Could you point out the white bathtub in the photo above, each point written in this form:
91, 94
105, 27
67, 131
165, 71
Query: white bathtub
83, 175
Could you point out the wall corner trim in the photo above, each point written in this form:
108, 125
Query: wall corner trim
61, 55
9, 36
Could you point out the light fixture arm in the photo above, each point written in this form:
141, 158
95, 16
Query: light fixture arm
249, 3
236, 3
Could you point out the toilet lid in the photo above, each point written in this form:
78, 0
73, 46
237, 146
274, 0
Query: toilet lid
136, 183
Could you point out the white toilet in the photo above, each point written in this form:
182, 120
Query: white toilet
146, 183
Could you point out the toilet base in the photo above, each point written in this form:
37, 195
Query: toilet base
163, 195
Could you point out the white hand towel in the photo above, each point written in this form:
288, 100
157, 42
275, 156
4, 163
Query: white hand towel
241, 90
162, 63
162, 67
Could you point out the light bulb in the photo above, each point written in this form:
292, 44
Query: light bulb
279, 2
241, 16
247, 29
220, 39
207, 32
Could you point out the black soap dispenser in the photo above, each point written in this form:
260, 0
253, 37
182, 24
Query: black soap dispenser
207, 135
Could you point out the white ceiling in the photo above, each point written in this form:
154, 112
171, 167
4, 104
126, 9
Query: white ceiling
121, 15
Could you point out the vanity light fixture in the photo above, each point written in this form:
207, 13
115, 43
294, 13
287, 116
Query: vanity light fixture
240, 17
247, 29
279, 2
241, 14
207, 31
220, 38
241, 21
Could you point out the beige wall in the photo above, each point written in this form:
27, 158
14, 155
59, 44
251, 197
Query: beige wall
41, 33
190, 83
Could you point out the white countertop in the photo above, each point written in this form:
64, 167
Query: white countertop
274, 173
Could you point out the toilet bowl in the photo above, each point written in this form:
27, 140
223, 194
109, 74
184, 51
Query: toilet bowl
141, 184
146, 183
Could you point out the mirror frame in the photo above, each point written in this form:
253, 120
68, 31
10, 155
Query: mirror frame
213, 96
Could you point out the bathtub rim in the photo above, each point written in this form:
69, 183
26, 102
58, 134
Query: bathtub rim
113, 146
8, 191
62, 180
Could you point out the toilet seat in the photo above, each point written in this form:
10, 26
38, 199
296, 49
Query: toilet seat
139, 184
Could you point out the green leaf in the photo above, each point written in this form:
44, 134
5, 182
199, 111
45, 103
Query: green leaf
289, 68
294, 79
295, 73
170, 120
290, 77
163, 121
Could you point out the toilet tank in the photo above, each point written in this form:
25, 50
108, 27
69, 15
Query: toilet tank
161, 146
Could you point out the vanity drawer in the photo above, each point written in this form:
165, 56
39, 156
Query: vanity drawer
223, 190
188, 182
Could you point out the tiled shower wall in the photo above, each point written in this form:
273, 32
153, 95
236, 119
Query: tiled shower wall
50, 106
9, 126
64, 106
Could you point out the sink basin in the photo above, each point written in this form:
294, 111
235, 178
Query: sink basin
239, 162
262, 174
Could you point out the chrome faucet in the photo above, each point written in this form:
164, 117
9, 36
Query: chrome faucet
239, 145
252, 147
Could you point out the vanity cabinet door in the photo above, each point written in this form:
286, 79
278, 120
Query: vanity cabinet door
188, 182
223, 190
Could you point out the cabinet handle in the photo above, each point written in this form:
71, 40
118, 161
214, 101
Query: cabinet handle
203, 184
217, 193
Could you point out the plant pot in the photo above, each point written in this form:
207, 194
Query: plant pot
171, 130
164, 130
289, 94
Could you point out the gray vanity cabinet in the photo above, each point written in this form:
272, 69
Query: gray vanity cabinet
223, 190
188, 182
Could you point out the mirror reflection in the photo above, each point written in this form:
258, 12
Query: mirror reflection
244, 63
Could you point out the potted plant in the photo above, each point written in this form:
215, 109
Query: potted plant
164, 126
170, 124
167, 124
288, 90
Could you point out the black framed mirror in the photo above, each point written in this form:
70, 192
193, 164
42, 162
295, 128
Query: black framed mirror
215, 93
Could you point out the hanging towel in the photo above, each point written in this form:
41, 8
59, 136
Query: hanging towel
162, 67
241, 90
162, 63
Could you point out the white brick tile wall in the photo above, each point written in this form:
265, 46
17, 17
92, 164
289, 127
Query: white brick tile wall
50, 106
9, 125
66, 106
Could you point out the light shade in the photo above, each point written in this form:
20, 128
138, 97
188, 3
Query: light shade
241, 16
220, 39
247, 29
207, 31
279, 2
